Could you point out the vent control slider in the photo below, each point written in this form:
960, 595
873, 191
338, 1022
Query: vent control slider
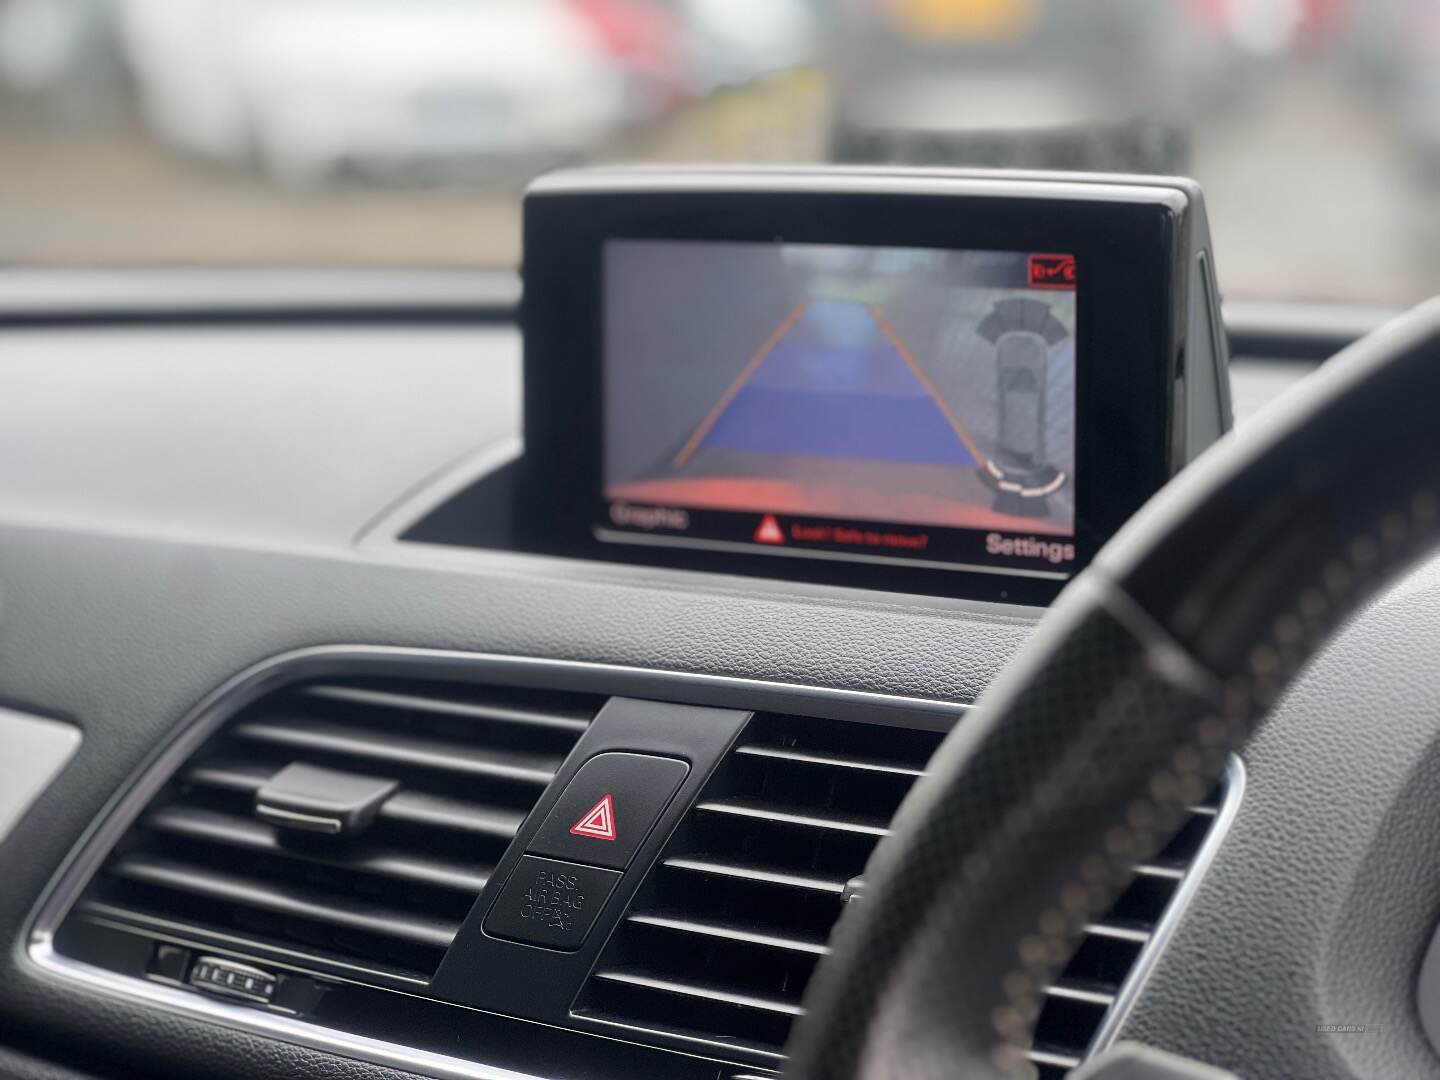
312, 799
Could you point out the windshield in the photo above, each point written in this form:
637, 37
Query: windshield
402, 132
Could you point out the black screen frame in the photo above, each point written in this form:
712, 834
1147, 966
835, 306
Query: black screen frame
1128, 244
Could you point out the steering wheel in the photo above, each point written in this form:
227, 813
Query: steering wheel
1152, 666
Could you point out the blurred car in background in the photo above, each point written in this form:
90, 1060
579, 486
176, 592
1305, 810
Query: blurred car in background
1391, 51
647, 40
1029, 83
392, 88
62, 52
1416, 86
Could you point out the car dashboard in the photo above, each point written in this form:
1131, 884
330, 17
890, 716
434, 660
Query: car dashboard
229, 583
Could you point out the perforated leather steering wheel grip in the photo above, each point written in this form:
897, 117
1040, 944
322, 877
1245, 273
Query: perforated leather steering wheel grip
1151, 668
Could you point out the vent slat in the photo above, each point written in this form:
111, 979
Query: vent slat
1119, 933
437, 811
730, 932
695, 990
241, 777
439, 706
754, 873
402, 749
291, 901
750, 809
836, 761
1080, 993
198, 823
1058, 1061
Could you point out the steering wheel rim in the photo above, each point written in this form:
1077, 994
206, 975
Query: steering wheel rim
1122, 709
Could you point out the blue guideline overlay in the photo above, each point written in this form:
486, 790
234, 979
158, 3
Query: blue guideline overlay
835, 386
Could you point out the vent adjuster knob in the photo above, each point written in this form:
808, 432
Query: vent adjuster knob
312, 799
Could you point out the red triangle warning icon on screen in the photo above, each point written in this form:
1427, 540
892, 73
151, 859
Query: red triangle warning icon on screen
769, 531
598, 822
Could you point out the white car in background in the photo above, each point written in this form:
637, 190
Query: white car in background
388, 87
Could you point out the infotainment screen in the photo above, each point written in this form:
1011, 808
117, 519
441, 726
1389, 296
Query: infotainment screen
950, 383
869, 403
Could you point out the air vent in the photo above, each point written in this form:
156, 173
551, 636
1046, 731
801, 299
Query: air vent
720, 943
1077, 1006
722, 939
387, 892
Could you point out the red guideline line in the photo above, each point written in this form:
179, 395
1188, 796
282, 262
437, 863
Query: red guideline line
698, 435
894, 338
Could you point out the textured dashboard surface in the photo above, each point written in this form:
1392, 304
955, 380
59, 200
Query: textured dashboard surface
179, 504
17, 1066
270, 433
1322, 900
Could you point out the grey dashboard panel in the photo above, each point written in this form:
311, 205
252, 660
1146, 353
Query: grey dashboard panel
1300, 953
183, 508
1318, 904
264, 434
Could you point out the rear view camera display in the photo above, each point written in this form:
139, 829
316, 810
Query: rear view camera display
870, 403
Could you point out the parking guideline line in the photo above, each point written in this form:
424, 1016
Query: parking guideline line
919, 372
698, 435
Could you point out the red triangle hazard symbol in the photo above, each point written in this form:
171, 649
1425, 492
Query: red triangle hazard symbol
769, 531
598, 822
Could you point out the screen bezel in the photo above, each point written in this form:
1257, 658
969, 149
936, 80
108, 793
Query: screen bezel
1125, 241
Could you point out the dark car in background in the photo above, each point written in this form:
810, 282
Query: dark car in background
1041, 83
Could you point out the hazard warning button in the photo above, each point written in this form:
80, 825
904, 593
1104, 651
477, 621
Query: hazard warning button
608, 809
597, 822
